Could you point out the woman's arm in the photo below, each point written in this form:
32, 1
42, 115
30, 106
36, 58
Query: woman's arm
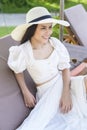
66, 101
29, 99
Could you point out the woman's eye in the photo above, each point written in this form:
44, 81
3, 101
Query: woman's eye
43, 28
50, 27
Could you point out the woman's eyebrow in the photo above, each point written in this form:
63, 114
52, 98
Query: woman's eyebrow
43, 26
46, 26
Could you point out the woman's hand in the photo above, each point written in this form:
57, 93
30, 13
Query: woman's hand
65, 102
29, 99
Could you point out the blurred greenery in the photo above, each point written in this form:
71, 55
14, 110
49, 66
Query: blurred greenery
5, 30
22, 6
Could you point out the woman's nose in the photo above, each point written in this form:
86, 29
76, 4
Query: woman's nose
48, 31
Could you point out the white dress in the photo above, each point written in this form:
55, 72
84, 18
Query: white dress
46, 114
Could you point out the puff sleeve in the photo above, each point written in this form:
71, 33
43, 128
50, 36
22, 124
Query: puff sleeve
64, 58
16, 59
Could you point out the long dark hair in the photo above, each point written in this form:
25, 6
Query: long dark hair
29, 33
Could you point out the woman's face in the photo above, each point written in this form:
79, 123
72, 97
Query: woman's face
43, 32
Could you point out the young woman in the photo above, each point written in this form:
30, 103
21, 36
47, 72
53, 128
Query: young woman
60, 101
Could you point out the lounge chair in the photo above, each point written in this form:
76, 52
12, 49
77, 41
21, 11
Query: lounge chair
77, 17
78, 56
12, 108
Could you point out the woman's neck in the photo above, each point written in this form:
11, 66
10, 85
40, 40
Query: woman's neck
38, 45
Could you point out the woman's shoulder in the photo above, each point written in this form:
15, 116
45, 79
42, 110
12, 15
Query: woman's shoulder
55, 39
16, 57
18, 48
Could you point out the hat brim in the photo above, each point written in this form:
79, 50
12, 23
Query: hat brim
20, 30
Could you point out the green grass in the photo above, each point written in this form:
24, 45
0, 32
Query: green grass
5, 30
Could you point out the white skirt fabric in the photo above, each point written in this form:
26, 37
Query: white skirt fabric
46, 114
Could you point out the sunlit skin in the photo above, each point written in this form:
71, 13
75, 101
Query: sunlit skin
42, 34
40, 41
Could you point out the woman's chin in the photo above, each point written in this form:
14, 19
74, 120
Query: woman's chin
46, 40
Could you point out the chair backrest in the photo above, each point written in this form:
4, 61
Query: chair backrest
12, 108
77, 17
79, 53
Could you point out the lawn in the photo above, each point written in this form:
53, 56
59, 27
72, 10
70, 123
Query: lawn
5, 30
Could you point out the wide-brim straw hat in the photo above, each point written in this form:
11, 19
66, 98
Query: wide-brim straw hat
36, 15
